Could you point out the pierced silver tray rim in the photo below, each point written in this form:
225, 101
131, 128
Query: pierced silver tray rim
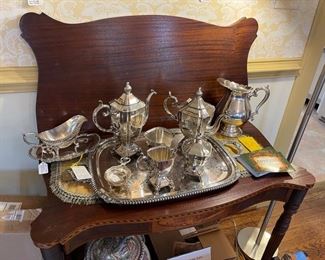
234, 176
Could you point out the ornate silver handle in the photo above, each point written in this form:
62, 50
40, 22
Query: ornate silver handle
105, 114
34, 135
265, 98
174, 102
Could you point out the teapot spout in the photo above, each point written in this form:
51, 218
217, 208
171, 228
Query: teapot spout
212, 129
152, 92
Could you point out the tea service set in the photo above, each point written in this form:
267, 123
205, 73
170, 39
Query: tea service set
127, 116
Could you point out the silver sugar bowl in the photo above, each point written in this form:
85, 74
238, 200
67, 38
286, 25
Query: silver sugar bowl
194, 116
128, 115
196, 151
238, 108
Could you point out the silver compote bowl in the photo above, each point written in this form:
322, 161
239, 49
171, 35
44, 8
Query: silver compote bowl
60, 137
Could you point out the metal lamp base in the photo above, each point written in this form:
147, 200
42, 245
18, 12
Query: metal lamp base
246, 241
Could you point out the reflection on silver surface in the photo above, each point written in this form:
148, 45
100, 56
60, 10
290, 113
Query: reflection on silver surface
237, 107
159, 136
197, 153
83, 144
61, 136
128, 115
118, 248
159, 162
52, 141
218, 171
194, 116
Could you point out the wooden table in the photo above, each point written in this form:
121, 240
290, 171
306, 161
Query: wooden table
63, 227
82, 63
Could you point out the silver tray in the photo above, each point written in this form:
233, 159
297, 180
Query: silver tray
219, 172
89, 143
69, 190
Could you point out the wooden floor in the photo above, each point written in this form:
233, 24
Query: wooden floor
307, 228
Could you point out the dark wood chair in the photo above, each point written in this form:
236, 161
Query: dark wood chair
82, 63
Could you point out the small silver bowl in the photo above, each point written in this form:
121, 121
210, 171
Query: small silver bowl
159, 136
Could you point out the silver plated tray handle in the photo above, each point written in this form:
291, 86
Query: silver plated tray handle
106, 113
265, 98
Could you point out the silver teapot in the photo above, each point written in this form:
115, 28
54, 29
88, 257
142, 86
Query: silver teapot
238, 108
194, 116
128, 115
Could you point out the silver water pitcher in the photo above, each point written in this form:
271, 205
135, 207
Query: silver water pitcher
128, 115
238, 108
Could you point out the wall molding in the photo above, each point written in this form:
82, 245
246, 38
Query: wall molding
18, 79
24, 79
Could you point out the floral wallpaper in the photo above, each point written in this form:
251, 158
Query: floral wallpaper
283, 28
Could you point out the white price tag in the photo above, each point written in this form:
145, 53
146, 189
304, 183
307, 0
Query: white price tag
43, 168
81, 172
187, 231
202, 254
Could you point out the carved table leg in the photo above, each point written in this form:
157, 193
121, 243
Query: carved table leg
53, 253
283, 222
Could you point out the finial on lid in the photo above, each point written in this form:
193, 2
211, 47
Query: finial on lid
199, 92
127, 88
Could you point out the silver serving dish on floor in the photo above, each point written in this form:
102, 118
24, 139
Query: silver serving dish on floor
219, 171
51, 141
118, 248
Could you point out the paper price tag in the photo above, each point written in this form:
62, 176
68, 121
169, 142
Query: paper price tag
81, 172
43, 168
202, 254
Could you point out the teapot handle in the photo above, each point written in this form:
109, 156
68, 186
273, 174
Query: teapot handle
105, 114
27, 140
174, 102
265, 98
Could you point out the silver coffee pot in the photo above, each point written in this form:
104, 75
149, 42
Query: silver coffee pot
238, 108
128, 115
194, 116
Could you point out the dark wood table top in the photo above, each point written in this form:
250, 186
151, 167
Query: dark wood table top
73, 225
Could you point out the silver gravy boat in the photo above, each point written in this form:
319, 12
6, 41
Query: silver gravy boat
128, 115
238, 108
60, 137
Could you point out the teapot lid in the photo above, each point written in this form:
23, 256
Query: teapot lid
127, 102
198, 108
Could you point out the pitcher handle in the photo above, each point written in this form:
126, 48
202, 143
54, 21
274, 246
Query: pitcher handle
265, 98
174, 102
143, 163
34, 135
101, 106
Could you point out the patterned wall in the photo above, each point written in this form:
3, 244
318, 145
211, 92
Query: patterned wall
283, 27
